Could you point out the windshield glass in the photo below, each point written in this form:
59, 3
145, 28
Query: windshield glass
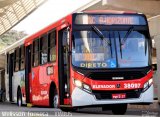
132, 53
91, 51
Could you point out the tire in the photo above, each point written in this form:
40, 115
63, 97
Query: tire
54, 99
68, 109
19, 98
3, 97
106, 107
119, 109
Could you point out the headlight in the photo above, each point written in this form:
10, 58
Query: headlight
147, 84
87, 87
150, 81
78, 83
81, 85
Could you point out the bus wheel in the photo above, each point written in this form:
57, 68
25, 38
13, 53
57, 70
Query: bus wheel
19, 98
119, 109
68, 109
55, 99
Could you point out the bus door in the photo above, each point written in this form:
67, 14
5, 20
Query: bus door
28, 73
63, 64
11, 68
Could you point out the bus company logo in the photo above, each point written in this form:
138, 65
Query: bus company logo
103, 86
117, 78
118, 85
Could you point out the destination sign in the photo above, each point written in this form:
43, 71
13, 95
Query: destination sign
110, 19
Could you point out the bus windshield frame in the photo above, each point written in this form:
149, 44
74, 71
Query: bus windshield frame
115, 35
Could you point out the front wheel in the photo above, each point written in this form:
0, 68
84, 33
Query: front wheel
54, 99
119, 109
68, 109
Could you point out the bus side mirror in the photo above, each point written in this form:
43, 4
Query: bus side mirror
154, 67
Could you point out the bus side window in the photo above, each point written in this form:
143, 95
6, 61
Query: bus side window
43, 49
16, 60
22, 55
52, 46
35, 53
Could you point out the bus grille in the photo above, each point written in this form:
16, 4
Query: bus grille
129, 75
100, 95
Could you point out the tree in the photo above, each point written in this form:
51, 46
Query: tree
10, 37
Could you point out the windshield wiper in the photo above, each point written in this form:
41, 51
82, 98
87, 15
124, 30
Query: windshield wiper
145, 43
145, 46
100, 34
127, 34
110, 44
124, 39
120, 44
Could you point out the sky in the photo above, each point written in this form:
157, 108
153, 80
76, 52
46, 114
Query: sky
49, 12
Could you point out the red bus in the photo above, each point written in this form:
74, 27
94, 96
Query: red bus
94, 58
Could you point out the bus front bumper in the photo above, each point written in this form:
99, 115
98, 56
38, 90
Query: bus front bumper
82, 98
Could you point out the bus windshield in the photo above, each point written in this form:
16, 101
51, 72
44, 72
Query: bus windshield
91, 51
133, 52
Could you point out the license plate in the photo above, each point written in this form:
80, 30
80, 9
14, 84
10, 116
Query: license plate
119, 96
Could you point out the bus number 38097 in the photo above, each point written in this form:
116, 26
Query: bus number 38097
131, 85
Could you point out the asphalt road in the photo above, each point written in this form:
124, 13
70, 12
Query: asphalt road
11, 110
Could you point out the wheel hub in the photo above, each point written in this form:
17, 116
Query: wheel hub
55, 101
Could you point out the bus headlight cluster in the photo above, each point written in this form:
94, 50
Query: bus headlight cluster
81, 85
78, 83
147, 84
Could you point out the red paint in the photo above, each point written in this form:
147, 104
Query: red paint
67, 101
142, 81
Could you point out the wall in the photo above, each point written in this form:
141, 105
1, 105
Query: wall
154, 25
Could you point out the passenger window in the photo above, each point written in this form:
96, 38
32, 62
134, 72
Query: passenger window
52, 46
43, 49
35, 53
16, 60
22, 62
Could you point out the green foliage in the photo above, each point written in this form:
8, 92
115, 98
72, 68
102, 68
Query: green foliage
10, 37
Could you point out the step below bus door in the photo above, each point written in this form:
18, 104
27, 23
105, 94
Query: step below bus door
64, 65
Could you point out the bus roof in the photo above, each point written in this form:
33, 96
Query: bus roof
110, 11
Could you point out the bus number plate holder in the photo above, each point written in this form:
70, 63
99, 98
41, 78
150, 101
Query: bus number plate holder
119, 96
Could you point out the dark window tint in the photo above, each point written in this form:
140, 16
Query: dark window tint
52, 46
36, 46
16, 60
36, 52
22, 61
43, 49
